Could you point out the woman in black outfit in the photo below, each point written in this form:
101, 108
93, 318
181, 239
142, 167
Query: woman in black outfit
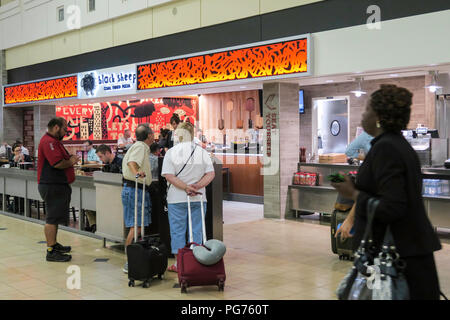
391, 173
174, 121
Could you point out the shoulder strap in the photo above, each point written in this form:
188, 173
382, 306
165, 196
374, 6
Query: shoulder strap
184, 166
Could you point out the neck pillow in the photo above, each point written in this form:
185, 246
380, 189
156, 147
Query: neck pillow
210, 253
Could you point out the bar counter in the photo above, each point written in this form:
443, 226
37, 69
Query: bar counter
305, 198
101, 193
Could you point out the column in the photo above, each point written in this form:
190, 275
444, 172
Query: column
281, 145
42, 115
3, 81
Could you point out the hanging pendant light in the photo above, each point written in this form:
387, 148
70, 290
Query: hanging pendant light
358, 93
434, 86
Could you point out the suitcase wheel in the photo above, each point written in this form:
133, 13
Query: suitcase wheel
160, 276
221, 285
183, 287
131, 283
146, 284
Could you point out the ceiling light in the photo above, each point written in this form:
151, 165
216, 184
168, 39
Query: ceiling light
433, 86
393, 75
329, 81
358, 92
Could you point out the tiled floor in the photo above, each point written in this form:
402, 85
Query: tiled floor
265, 259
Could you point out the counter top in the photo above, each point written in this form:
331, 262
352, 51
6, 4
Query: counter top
329, 165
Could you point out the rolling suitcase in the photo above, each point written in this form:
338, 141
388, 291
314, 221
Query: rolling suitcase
190, 271
343, 248
147, 257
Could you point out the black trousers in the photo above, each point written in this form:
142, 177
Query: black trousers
422, 277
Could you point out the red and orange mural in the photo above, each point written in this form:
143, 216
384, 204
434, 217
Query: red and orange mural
108, 120
42, 90
275, 59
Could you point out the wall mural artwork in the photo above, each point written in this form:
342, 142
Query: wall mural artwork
60, 88
276, 59
108, 120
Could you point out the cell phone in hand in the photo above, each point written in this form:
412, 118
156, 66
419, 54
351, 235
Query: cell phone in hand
336, 177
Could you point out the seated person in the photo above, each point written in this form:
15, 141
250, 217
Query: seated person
113, 163
125, 140
4, 149
23, 149
91, 156
18, 157
362, 141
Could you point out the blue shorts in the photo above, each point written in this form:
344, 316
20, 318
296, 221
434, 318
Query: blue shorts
178, 220
128, 194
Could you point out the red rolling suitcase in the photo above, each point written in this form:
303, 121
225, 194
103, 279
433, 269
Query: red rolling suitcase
190, 271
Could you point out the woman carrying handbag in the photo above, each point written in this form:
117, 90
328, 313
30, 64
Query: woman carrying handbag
391, 174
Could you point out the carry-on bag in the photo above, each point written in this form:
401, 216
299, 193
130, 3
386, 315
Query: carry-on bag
147, 257
190, 271
343, 248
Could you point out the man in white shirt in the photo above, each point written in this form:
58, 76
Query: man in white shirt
188, 169
23, 149
4, 149
125, 139
137, 163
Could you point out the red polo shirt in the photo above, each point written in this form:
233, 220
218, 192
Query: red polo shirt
51, 151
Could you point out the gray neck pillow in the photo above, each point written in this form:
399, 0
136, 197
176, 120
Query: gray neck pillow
210, 253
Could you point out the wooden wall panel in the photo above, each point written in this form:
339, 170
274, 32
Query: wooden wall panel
245, 174
209, 114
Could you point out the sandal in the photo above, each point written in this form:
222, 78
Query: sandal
172, 268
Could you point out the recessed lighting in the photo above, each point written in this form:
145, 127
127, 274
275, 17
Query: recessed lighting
393, 75
243, 87
329, 81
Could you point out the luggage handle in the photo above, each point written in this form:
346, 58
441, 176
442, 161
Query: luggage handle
135, 208
191, 238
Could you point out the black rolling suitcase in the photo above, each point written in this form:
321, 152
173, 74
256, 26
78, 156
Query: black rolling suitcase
147, 257
343, 248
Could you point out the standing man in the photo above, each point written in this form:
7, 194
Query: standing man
136, 163
126, 139
55, 174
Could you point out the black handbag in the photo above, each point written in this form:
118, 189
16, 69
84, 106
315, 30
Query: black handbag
376, 274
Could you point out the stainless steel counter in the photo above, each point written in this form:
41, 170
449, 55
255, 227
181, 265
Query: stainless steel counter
322, 198
23, 184
102, 193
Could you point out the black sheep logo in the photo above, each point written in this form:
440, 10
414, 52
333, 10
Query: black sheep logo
88, 84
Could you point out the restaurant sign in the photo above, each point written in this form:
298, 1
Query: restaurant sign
107, 82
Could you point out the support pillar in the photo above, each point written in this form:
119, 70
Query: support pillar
281, 145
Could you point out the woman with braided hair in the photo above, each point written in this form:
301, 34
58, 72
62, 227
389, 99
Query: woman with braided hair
391, 173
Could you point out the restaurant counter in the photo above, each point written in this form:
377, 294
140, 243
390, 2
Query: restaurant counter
100, 192
321, 199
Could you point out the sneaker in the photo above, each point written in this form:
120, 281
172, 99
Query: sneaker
63, 249
125, 267
172, 268
57, 256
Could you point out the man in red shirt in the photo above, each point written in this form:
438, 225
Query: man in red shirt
55, 174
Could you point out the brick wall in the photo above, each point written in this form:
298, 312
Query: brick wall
28, 130
422, 108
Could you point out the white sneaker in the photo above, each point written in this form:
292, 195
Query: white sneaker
125, 267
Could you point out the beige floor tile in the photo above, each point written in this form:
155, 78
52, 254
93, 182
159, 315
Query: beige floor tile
40, 290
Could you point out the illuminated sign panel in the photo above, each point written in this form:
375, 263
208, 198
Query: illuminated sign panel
107, 82
51, 89
282, 58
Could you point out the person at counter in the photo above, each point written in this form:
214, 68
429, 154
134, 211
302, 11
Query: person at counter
174, 122
125, 140
361, 142
55, 174
188, 169
391, 173
91, 154
136, 163
113, 163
